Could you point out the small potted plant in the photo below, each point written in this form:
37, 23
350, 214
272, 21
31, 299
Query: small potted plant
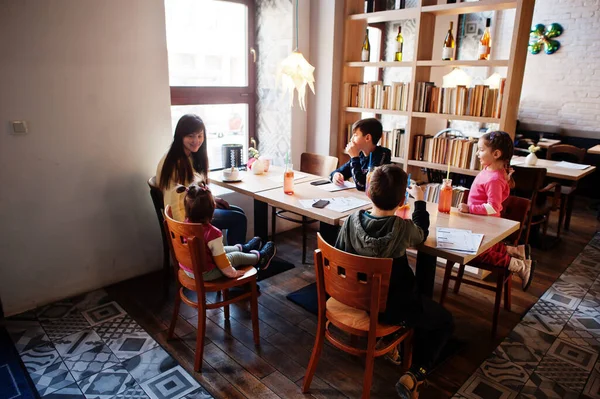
253, 160
532, 159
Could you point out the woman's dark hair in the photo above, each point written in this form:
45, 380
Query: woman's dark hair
176, 164
501, 141
199, 203
387, 187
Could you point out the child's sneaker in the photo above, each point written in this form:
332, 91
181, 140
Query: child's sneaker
253, 245
408, 386
521, 252
524, 269
266, 255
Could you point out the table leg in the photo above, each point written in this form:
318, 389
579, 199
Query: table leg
425, 274
329, 232
261, 220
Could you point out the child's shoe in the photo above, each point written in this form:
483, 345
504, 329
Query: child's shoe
266, 255
408, 386
253, 245
524, 269
520, 252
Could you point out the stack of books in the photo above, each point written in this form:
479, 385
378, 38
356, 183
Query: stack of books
376, 95
459, 152
479, 101
432, 193
392, 139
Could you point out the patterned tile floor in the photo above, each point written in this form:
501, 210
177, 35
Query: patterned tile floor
88, 347
553, 352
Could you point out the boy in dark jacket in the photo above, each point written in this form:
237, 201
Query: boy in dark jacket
363, 147
378, 233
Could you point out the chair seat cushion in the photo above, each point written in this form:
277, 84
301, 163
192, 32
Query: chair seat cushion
219, 284
355, 318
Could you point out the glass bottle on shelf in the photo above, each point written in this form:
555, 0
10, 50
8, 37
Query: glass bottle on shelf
399, 4
366, 48
399, 44
485, 43
448, 49
288, 179
369, 5
445, 196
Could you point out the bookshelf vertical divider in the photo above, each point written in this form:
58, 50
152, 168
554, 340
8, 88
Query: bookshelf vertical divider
425, 14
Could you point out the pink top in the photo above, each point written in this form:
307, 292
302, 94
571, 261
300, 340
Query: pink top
214, 247
488, 192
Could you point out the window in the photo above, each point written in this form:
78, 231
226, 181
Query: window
211, 69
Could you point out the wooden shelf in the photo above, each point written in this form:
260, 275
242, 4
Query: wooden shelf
380, 64
444, 167
470, 63
397, 159
376, 111
479, 119
471, 7
386, 16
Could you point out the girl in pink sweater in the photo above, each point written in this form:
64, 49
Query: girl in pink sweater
488, 191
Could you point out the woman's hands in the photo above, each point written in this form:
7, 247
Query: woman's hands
220, 203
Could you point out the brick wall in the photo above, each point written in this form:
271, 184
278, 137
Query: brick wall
563, 90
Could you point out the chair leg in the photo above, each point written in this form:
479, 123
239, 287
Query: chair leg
545, 226
254, 313
226, 307
570, 201
407, 352
561, 215
200, 337
315, 355
459, 277
447, 274
303, 239
369, 365
508, 292
499, 285
175, 314
273, 223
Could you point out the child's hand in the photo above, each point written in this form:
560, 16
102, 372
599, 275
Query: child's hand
220, 203
464, 208
239, 273
352, 150
416, 192
338, 178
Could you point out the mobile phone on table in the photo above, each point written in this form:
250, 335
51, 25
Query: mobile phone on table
320, 204
319, 182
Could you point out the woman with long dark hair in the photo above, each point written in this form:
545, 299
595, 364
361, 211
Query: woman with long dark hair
187, 162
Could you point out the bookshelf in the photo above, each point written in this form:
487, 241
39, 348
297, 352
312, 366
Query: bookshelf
423, 68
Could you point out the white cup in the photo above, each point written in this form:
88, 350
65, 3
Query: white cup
232, 173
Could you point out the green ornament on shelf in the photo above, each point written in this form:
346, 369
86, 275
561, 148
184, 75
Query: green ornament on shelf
542, 37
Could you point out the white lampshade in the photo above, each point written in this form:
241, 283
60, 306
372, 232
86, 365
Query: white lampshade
295, 73
493, 81
457, 77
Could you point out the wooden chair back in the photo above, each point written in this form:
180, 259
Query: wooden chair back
566, 152
528, 181
157, 198
517, 209
354, 280
320, 165
186, 241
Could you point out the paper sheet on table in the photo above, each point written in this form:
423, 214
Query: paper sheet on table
339, 204
331, 187
570, 165
279, 178
516, 162
458, 240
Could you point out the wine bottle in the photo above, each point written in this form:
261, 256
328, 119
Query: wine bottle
399, 44
485, 43
448, 50
366, 48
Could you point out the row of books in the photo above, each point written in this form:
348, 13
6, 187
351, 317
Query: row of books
459, 152
377, 95
432, 193
393, 139
479, 101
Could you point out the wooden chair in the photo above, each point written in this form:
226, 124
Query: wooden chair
320, 165
186, 241
569, 153
529, 183
514, 208
358, 288
158, 202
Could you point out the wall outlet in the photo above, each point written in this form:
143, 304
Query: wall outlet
19, 127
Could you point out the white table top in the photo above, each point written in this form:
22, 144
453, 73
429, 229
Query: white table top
555, 171
594, 150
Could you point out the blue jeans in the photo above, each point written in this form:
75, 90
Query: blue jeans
234, 221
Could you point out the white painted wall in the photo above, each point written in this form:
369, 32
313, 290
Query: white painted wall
90, 77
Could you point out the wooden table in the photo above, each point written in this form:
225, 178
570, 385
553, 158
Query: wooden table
547, 143
553, 170
594, 150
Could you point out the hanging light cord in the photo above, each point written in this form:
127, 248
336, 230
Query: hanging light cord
296, 25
